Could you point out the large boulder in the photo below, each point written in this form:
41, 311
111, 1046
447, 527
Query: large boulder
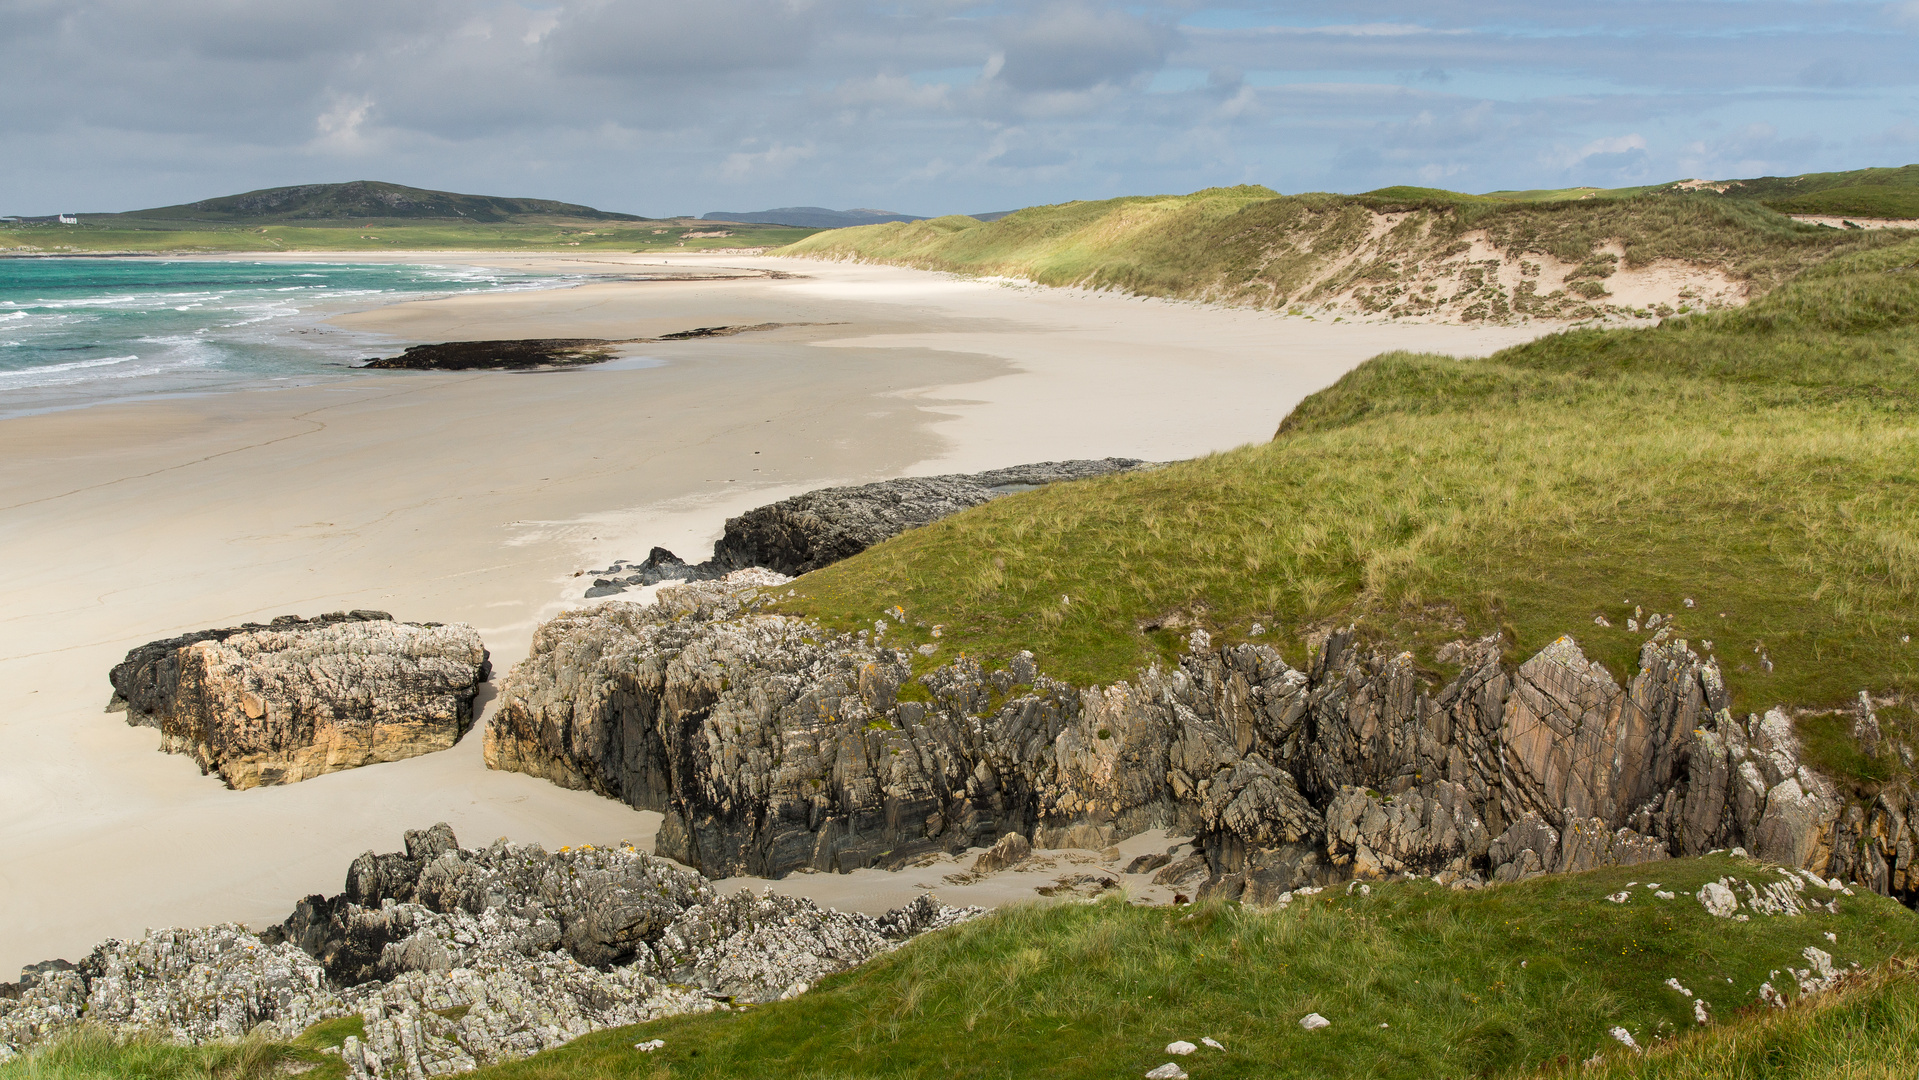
291, 700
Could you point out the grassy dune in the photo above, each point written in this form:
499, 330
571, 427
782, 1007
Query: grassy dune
1871, 193
1251, 246
1418, 981
1761, 463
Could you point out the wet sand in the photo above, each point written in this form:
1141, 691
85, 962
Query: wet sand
476, 497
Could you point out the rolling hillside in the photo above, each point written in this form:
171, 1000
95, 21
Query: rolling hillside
364, 201
1393, 253
368, 215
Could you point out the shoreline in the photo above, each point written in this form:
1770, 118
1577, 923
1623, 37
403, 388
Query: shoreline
474, 498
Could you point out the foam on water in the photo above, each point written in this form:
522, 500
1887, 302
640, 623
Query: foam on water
81, 331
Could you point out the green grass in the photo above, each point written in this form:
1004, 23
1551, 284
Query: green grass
1865, 202
1865, 1031
1484, 983
651, 236
91, 1054
1763, 463
1251, 246
1491, 983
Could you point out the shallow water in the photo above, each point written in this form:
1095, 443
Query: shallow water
80, 331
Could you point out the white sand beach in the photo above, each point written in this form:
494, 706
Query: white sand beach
476, 497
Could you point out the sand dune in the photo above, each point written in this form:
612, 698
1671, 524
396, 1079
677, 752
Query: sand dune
475, 497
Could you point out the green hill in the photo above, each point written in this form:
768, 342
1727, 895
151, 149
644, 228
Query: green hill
368, 215
1867, 193
1394, 252
364, 201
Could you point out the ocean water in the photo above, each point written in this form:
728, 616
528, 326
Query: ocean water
79, 331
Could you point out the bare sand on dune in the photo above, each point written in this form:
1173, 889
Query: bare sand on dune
475, 497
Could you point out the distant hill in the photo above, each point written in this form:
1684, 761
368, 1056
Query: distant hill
365, 200
1866, 193
811, 217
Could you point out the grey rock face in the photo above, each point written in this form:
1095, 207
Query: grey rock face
772, 745
533, 948
821, 527
297, 698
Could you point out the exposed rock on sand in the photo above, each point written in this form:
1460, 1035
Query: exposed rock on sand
821, 527
455, 958
510, 355
771, 745
301, 697
528, 354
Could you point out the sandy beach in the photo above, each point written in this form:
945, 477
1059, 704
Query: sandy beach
477, 497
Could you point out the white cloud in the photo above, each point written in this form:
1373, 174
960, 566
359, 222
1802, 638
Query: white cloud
658, 106
775, 160
339, 129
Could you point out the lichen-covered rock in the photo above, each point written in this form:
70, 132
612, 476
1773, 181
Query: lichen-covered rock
772, 745
289, 701
456, 958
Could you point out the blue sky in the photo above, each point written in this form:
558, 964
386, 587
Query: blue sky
935, 106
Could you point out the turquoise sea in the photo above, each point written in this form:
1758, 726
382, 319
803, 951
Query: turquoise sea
80, 331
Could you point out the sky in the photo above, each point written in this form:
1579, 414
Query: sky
666, 107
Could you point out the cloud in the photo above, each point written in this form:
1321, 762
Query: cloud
1075, 47
339, 129
661, 106
1756, 149
1608, 154
660, 39
775, 160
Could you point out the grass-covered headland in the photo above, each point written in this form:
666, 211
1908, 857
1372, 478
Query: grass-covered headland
1752, 473
1418, 981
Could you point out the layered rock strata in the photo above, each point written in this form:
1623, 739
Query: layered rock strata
456, 958
284, 702
772, 745
821, 527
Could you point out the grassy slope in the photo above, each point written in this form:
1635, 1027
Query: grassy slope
1483, 983
660, 236
1763, 463
1248, 245
1876, 193
1098, 990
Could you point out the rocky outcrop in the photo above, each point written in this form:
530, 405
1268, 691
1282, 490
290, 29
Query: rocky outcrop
821, 527
291, 700
535, 354
772, 745
456, 958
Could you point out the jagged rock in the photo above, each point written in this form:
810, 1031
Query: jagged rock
1529, 847
771, 744
288, 701
1427, 830
1588, 844
462, 958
